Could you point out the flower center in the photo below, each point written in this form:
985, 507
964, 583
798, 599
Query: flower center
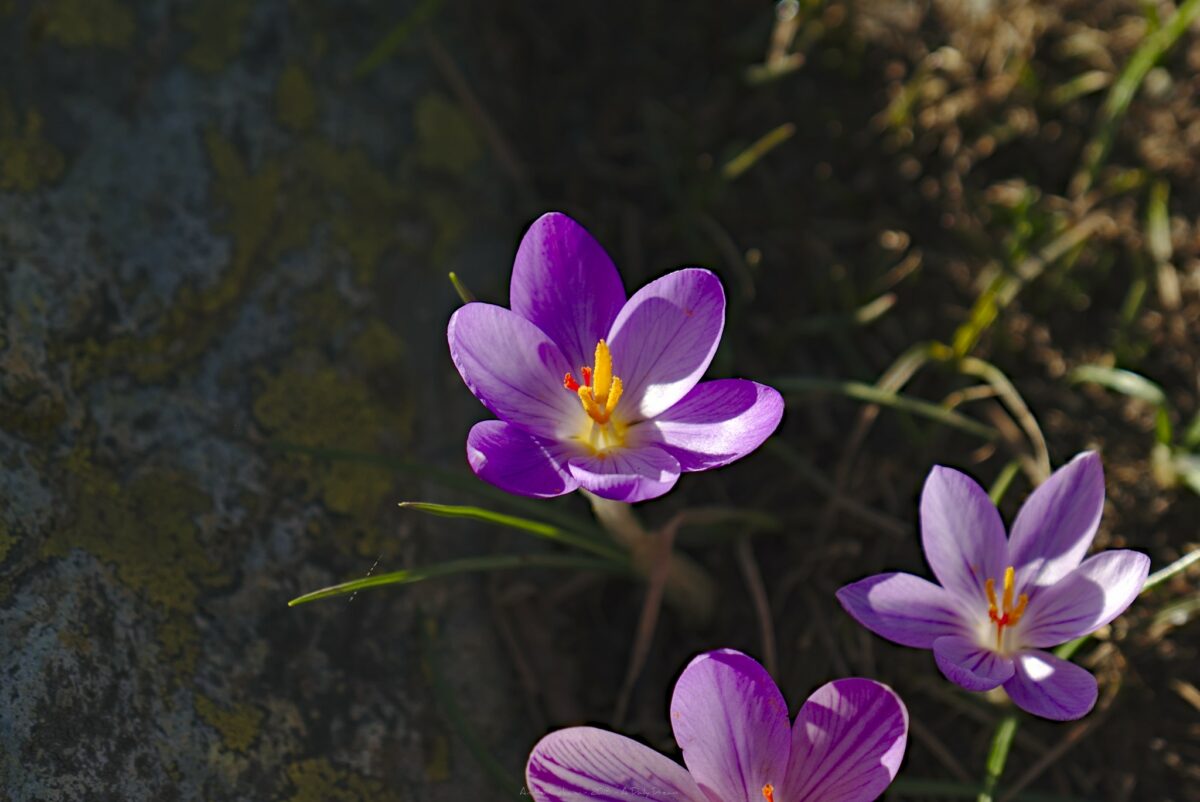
768, 792
601, 390
1004, 614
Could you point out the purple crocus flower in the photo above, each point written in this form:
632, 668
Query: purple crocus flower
596, 391
1002, 601
731, 722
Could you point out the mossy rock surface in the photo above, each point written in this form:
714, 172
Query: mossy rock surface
214, 244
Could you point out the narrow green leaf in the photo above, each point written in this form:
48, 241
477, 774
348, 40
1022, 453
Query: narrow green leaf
1162, 426
1007, 391
761, 147
465, 295
1121, 381
997, 756
1163, 574
1004, 481
875, 395
1122, 92
1068, 649
1083, 84
1158, 224
538, 528
396, 38
457, 480
500, 562
1191, 435
1187, 468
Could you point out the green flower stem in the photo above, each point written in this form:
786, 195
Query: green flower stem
998, 755
689, 589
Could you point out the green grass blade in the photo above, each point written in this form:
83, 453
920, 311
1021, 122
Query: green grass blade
1004, 481
536, 528
875, 395
469, 565
764, 145
464, 294
1187, 468
1191, 435
1121, 381
1007, 391
396, 38
456, 480
1149, 52
1163, 574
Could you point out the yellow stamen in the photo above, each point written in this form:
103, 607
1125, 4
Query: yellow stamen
1004, 614
600, 390
768, 792
1016, 614
614, 395
1009, 577
602, 376
590, 406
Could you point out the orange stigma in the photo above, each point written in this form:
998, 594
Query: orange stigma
1004, 614
768, 792
600, 390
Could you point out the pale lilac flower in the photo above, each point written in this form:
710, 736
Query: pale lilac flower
596, 391
731, 722
1002, 601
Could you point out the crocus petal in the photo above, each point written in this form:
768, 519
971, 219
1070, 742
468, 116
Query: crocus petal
516, 461
584, 764
731, 722
514, 369
1086, 599
903, 608
664, 338
1051, 688
961, 533
626, 474
716, 423
565, 284
1056, 524
847, 743
967, 664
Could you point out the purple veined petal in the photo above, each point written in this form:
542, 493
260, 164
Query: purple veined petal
1056, 524
565, 284
731, 722
516, 461
967, 664
514, 369
584, 764
962, 534
626, 474
1086, 599
716, 423
1051, 688
664, 338
847, 743
903, 608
